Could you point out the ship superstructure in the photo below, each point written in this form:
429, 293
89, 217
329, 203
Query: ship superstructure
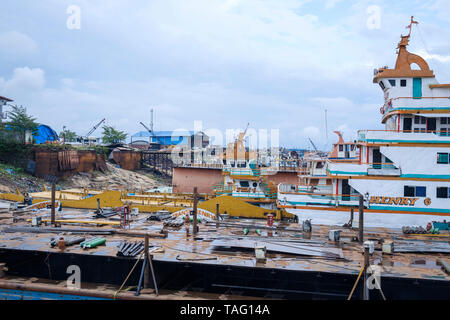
405, 167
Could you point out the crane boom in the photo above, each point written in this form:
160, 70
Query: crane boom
314, 146
151, 131
95, 127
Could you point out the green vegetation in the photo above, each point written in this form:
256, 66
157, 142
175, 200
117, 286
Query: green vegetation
20, 123
97, 149
10, 170
111, 135
69, 136
15, 153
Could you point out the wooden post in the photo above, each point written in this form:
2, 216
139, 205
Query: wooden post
53, 204
217, 215
366, 265
361, 219
195, 211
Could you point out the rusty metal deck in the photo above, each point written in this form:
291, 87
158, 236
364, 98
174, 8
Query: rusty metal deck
199, 249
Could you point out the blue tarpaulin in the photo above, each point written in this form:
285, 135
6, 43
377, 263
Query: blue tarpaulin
44, 134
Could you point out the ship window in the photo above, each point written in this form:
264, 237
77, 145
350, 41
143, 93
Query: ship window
403, 83
423, 120
382, 85
442, 158
443, 120
392, 82
410, 191
416, 119
352, 147
255, 184
421, 191
442, 192
244, 184
341, 147
319, 165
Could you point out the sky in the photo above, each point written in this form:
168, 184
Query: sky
276, 64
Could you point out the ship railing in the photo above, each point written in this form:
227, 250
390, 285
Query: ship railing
419, 102
220, 189
330, 196
243, 172
322, 189
201, 165
362, 134
304, 171
381, 165
256, 195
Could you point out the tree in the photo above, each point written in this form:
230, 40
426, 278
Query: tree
111, 135
69, 136
20, 122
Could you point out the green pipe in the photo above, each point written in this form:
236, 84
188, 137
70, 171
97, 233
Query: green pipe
91, 241
94, 243
87, 241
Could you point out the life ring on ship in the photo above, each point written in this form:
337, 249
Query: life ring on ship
427, 201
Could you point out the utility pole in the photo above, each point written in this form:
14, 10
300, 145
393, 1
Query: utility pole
151, 119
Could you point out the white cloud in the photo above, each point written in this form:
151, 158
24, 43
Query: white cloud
16, 43
24, 81
337, 103
331, 3
438, 57
275, 64
311, 132
347, 132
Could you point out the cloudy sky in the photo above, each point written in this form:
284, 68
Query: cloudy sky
277, 64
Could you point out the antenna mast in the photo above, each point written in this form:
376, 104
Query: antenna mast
151, 120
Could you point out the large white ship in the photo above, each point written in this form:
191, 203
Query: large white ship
403, 171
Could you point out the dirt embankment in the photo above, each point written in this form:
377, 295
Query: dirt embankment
114, 178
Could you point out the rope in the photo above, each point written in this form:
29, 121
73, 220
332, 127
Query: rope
354, 286
379, 286
137, 260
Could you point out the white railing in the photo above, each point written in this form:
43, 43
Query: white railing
424, 102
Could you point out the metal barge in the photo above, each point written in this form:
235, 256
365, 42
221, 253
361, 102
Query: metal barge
217, 262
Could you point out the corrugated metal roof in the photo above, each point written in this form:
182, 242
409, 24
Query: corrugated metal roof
164, 134
6, 99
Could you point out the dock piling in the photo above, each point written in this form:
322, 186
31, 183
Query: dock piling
217, 215
195, 227
366, 265
361, 219
53, 204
